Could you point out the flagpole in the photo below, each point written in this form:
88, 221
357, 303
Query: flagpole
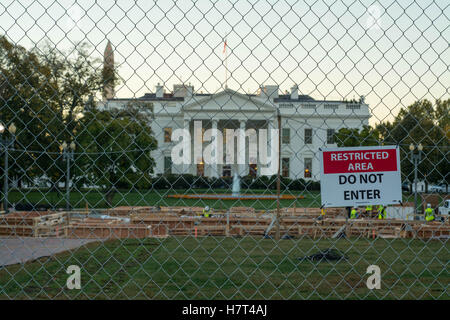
226, 70
226, 63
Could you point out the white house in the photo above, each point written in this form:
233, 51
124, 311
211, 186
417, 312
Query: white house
306, 125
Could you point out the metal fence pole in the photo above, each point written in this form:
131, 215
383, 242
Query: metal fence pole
277, 235
5, 182
415, 186
67, 156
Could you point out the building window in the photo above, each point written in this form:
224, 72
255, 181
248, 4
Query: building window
253, 170
167, 134
330, 136
308, 167
226, 171
201, 169
353, 106
285, 167
308, 136
167, 165
285, 136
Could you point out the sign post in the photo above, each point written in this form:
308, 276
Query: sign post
360, 176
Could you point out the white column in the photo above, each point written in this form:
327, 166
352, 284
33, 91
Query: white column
270, 167
270, 127
215, 160
242, 149
187, 145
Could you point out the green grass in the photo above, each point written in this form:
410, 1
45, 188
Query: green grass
235, 268
95, 199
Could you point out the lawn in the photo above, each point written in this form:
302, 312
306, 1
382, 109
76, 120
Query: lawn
236, 268
95, 199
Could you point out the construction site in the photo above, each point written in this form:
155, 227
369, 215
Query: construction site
147, 221
224, 150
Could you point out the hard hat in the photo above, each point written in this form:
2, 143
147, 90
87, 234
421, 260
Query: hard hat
207, 208
428, 205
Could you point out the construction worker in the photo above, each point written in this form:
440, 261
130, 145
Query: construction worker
369, 209
429, 213
349, 210
381, 212
353, 213
207, 212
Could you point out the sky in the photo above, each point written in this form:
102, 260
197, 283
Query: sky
392, 52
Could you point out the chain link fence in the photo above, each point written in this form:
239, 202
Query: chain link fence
170, 150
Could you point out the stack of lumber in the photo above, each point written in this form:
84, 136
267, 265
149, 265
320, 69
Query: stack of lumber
374, 228
431, 230
188, 225
311, 212
296, 226
50, 225
19, 223
183, 211
124, 211
242, 211
112, 229
32, 224
146, 222
316, 228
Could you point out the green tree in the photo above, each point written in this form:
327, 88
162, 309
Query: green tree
24, 93
73, 77
354, 137
426, 124
117, 143
45, 91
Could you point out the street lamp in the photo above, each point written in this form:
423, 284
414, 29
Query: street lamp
415, 158
6, 143
68, 156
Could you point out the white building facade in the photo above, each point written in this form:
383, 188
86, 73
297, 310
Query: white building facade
306, 126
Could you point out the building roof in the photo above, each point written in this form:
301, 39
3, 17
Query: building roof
287, 98
281, 98
166, 97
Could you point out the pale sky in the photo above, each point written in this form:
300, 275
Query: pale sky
393, 52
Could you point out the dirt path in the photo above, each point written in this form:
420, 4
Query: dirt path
21, 250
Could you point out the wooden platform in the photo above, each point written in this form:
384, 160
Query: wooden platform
142, 222
33, 224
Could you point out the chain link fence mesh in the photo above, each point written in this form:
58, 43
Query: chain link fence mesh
94, 98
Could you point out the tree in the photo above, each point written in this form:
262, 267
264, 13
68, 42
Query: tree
426, 124
24, 93
73, 78
45, 91
353, 137
117, 143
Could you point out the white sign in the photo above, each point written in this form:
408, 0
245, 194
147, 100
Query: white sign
360, 176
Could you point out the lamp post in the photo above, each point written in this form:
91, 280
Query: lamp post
415, 158
68, 156
6, 143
